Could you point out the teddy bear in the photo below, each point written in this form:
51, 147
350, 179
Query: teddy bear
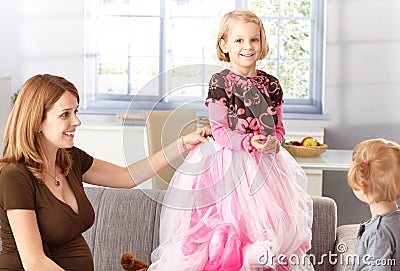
129, 263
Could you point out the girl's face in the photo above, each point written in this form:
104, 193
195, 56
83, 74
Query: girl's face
60, 123
243, 44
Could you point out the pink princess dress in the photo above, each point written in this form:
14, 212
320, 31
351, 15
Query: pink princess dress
231, 209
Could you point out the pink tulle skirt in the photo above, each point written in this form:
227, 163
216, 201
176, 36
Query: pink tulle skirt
234, 210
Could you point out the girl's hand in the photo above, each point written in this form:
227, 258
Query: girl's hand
272, 145
258, 141
268, 144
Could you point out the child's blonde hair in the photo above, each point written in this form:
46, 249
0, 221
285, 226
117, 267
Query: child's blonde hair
246, 16
375, 169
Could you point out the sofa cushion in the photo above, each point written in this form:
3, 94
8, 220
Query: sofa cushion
346, 238
126, 221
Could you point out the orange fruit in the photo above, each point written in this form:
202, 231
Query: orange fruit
309, 141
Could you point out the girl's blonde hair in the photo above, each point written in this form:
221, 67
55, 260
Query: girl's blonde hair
226, 24
23, 141
375, 169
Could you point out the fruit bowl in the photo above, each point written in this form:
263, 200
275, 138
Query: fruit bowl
308, 151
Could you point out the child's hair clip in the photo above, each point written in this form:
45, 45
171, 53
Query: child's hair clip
366, 162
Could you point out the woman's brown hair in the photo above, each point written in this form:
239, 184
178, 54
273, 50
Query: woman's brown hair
375, 169
22, 138
226, 23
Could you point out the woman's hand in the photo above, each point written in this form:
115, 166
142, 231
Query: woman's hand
190, 141
268, 144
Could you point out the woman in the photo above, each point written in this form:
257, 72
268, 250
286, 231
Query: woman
41, 175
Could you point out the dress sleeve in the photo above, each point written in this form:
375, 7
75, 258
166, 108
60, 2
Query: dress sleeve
85, 160
380, 249
216, 93
275, 91
218, 115
280, 129
17, 190
276, 94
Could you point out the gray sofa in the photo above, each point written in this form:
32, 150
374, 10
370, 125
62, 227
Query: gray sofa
127, 220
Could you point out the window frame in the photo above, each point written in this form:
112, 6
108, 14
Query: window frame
293, 108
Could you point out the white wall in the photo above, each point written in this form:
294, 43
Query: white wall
362, 83
42, 36
363, 62
5, 106
120, 145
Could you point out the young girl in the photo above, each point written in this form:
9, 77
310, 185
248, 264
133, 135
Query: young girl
239, 202
374, 177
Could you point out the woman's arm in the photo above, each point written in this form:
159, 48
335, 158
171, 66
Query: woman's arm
29, 242
107, 174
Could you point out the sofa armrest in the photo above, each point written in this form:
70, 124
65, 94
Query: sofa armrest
346, 237
323, 231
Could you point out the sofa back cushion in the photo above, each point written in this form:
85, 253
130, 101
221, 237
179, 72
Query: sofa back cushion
127, 220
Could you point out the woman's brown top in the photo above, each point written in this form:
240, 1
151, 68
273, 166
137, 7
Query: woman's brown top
60, 227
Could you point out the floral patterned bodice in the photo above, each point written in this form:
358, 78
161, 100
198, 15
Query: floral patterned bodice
251, 101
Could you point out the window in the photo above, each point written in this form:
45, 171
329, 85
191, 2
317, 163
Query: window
135, 49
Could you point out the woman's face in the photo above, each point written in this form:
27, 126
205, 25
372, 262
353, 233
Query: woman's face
58, 127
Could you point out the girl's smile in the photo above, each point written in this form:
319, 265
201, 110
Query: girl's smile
243, 44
